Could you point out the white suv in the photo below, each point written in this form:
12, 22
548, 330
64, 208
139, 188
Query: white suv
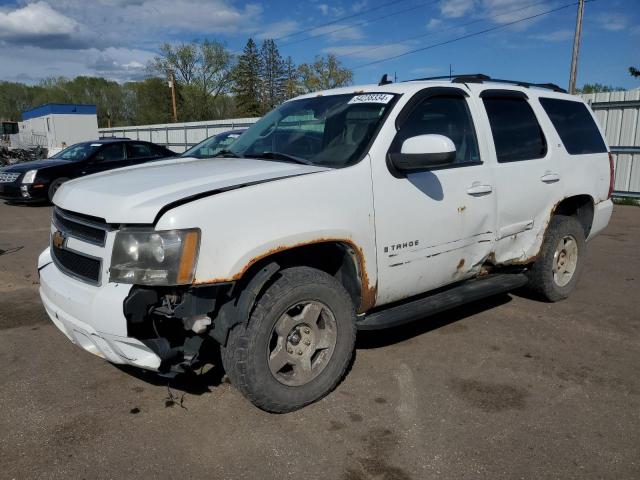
354, 208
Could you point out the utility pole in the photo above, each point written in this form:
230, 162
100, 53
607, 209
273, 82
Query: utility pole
576, 49
172, 85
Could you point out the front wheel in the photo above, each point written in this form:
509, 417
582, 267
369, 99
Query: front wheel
555, 273
53, 188
297, 344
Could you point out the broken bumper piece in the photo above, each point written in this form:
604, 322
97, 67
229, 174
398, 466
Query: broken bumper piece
92, 317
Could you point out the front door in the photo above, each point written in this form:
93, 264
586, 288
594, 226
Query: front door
433, 227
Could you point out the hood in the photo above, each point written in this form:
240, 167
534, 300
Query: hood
34, 165
137, 194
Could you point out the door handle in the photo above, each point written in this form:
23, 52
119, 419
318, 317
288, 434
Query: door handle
478, 189
549, 177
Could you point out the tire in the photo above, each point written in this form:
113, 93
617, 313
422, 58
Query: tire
282, 316
53, 188
554, 275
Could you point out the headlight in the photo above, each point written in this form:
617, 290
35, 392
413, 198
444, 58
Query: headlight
30, 176
147, 257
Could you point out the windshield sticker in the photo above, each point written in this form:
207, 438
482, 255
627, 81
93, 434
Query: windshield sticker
234, 135
372, 98
96, 144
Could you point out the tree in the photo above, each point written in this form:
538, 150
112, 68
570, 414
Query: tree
324, 74
292, 86
634, 72
247, 83
272, 76
597, 88
147, 101
203, 72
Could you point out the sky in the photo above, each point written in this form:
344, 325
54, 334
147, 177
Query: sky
117, 38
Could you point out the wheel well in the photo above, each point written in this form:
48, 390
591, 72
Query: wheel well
338, 259
579, 206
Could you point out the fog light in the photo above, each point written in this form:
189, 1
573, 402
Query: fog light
24, 190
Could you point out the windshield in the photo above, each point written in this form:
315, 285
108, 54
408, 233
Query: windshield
211, 146
77, 152
330, 131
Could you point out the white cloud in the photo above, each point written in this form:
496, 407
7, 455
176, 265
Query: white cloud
359, 6
339, 32
28, 63
367, 52
324, 8
456, 8
278, 29
613, 22
39, 24
434, 23
557, 36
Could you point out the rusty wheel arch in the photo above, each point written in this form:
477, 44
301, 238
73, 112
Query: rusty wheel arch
339, 257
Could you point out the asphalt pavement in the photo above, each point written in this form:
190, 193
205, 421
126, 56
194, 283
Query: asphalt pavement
505, 388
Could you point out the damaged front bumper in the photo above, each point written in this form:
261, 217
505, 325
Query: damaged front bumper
92, 317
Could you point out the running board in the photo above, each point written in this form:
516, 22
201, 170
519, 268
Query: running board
469, 291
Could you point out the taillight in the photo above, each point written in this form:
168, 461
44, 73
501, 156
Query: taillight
612, 177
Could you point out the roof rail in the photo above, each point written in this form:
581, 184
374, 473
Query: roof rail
481, 78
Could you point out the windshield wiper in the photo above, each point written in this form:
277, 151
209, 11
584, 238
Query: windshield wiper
226, 153
281, 156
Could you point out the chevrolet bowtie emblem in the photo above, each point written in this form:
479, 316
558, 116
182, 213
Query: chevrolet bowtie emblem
58, 239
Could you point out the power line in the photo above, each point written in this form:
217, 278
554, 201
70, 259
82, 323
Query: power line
340, 19
442, 30
358, 24
474, 34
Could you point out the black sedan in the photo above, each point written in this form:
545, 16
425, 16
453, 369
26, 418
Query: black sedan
38, 180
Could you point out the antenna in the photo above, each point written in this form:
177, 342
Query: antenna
384, 80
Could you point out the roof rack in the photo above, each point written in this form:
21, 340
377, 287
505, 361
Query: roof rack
481, 78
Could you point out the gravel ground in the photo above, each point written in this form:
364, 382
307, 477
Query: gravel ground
504, 388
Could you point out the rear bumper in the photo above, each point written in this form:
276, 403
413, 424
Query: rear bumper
601, 216
92, 317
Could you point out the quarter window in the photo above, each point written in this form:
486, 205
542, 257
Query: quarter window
575, 125
446, 115
517, 135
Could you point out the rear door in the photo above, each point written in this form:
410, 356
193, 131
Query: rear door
140, 152
108, 157
527, 174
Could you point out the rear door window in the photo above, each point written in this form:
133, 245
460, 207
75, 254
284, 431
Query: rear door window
138, 150
111, 153
575, 125
517, 135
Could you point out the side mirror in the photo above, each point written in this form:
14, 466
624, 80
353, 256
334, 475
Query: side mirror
424, 151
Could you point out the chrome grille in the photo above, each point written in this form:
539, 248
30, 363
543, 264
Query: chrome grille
82, 227
8, 177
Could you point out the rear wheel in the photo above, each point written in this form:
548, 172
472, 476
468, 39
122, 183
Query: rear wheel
555, 274
297, 344
55, 185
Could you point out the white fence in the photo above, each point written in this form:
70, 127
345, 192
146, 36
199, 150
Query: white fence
617, 112
619, 116
178, 136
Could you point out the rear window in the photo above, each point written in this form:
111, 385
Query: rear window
575, 125
517, 135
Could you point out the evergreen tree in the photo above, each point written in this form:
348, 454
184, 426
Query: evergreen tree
247, 84
272, 75
292, 85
